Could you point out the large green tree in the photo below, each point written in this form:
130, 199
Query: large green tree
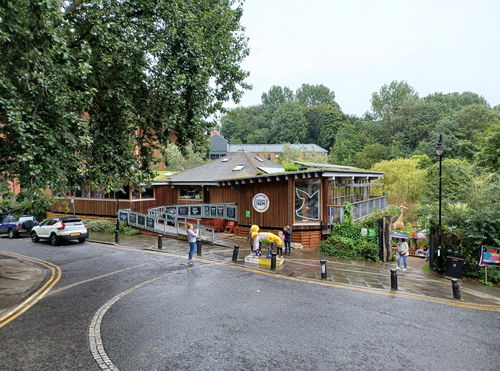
95, 88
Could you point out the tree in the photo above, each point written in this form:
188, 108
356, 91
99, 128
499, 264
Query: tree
371, 154
276, 96
390, 97
457, 181
141, 71
288, 124
404, 182
176, 161
489, 153
315, 95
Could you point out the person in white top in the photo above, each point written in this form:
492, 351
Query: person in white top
191, 235
403, 252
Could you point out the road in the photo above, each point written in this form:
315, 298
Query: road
151, 311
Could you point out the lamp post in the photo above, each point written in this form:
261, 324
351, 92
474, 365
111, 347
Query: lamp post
439, 147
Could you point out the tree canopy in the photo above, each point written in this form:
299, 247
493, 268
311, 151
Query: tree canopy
91, 91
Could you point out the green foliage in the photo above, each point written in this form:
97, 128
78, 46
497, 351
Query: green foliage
404, 182
457, 181
102, 225
175, 160
290, 166
90, 91
347, 242
489, 153
34, 202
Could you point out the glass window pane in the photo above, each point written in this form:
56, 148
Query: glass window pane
307, 200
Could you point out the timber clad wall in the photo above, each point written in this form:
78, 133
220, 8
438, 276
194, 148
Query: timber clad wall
102, 207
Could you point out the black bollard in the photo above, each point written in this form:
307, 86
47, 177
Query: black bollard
394, 279
236, 249
198, 247
456, 288
160, 242
324, 273
117, 236
273, 260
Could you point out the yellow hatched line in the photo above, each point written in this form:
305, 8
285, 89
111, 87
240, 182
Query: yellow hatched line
55, 276
485, 307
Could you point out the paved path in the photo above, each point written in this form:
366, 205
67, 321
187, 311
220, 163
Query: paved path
304, 264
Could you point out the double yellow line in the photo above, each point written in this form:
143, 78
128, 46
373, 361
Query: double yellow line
55, 276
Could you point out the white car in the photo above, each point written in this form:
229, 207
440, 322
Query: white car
57, 230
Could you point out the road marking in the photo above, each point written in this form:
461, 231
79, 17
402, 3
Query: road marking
484, 307
95, 339
57, 291
55, 276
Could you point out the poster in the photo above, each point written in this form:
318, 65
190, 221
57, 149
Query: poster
132, 218
183, 210
141, 220
123, 216
171, 211
213, 211
195, 210
231, 212
490, 256
150, 222
220, 211
206, 210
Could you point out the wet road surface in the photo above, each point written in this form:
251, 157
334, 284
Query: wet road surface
209, 317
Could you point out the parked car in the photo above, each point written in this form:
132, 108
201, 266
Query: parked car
57, 230
15, 226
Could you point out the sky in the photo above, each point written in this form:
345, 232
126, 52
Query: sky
356, 46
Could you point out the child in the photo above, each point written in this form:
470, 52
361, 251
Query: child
279, 249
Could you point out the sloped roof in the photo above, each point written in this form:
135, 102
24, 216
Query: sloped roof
273, 148
234, 165
324, 166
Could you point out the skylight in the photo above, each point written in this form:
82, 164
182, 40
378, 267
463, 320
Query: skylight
259, 159
225, 159
238, 168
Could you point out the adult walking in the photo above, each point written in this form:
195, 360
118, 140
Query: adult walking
191, 235
403, 252
287, 231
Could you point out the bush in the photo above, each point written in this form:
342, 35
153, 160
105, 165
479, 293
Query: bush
347, 242
109, 227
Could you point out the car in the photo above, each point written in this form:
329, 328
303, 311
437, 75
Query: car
14, 226
57, 230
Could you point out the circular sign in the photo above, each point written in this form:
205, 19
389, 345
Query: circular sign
260, 202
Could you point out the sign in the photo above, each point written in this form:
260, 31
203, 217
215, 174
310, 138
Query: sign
260, 202
220, 211
364, 231
372, 232
150, 222
132, 218
183, 210
141, 220
231, 212
247, 213
196, 210
490, 256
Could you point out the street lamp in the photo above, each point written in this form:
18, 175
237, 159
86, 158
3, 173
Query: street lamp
439, 147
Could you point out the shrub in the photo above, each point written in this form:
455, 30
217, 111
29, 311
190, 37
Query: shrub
109, 227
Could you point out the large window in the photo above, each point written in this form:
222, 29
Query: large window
307, 200
190, 192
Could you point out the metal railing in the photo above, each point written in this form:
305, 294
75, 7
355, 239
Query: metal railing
360, 209
170, 227
227, 211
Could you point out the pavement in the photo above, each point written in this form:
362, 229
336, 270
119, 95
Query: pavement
303, 264
18, 279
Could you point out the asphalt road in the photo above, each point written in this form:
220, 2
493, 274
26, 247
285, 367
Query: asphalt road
210, 317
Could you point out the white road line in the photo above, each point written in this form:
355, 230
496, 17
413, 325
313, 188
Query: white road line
95, 339
57, 291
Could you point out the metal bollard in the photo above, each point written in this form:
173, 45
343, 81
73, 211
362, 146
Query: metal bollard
198, 247
455, 285
236, 249
160, 242
117, 236
273, 260
394, 279
324, 273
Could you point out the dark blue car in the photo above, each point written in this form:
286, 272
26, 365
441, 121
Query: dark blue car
15, 226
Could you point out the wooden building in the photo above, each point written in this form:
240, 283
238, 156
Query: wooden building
309, 200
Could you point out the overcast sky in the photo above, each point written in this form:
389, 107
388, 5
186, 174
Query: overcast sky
356, 46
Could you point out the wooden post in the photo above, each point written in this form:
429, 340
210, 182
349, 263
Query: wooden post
387, 237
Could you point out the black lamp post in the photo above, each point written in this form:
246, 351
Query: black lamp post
439, 147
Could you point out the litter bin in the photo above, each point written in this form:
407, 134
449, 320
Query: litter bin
454, 267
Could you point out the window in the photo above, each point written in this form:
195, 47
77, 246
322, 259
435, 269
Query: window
190, 192
307, 200
148, 193
225, 159
239, 167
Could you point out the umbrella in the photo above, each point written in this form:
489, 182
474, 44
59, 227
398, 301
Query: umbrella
399, 235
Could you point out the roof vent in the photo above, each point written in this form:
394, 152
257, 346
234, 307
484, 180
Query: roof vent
259, 159
238, 168
225, 159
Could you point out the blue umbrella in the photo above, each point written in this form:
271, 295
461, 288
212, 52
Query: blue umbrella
399, 235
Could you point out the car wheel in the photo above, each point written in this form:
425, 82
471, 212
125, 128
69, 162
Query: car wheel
82, 239
11, 233
54, 241
34, 237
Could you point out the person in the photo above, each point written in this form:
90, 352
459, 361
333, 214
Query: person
403, 251
191, 235
287, 231
279, 249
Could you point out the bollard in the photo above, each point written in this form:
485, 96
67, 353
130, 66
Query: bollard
273, 260
236, 249
324, 273
198, 247
394, 279
456, 288
160, 242
117, 236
